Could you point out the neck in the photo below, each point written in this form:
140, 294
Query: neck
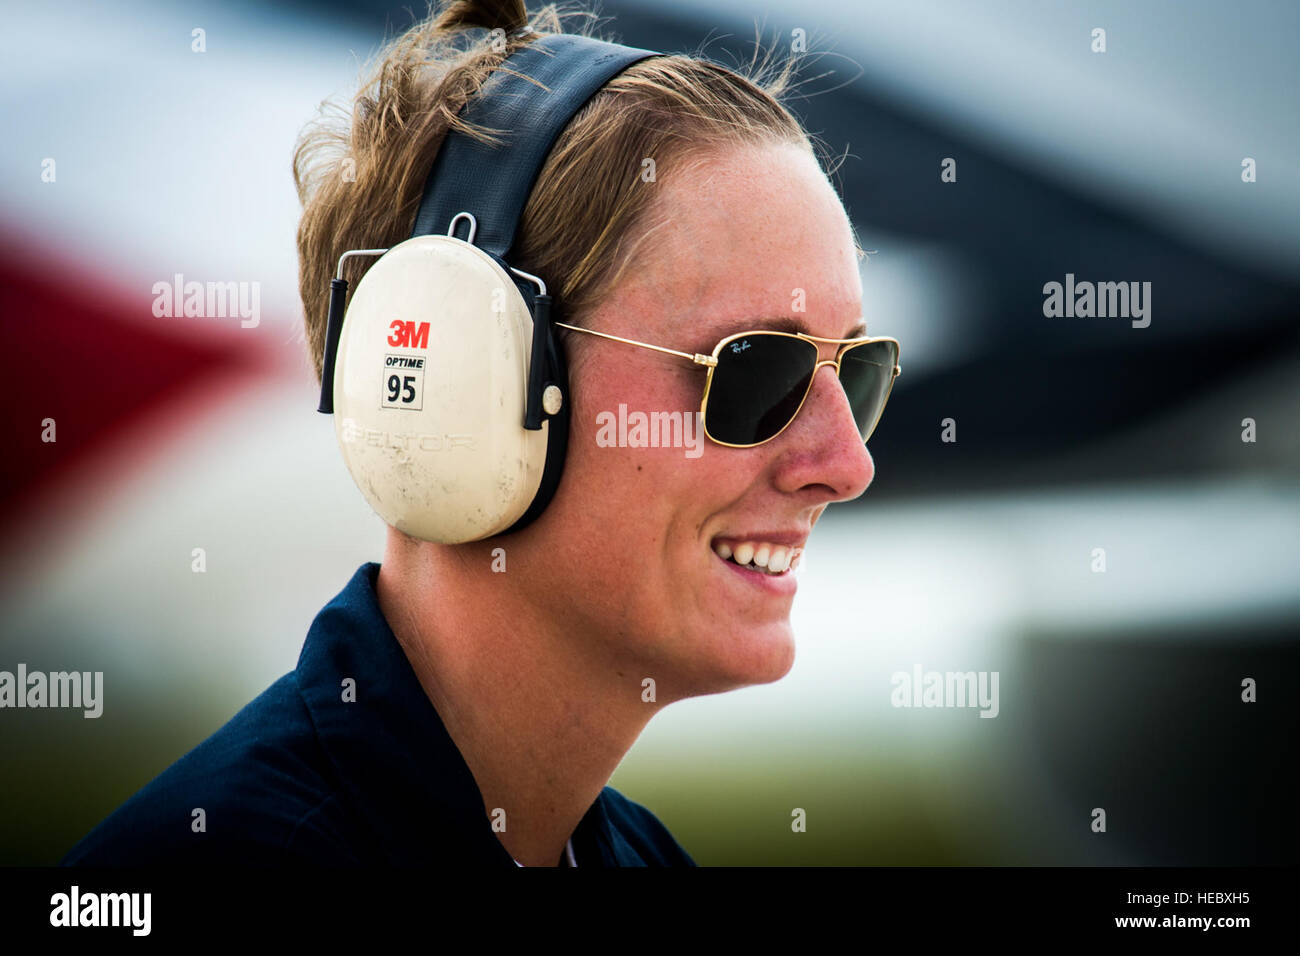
541, 714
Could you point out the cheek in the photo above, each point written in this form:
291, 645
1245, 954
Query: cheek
672, 452
645, 500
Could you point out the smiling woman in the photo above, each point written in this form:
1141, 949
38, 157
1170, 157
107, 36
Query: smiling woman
641, 231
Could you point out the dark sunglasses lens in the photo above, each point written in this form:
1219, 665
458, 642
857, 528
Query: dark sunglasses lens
757, 387
866, 372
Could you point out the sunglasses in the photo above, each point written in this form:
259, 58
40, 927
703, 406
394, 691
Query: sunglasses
759, 380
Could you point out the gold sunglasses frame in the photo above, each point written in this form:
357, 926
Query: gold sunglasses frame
711, 361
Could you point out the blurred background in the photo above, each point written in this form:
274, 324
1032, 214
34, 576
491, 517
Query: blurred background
1118, 689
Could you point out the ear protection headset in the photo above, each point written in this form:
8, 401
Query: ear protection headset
448, 387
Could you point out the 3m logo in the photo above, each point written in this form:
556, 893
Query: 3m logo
407, 335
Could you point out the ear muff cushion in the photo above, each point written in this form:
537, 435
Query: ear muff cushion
429, 393
557, 442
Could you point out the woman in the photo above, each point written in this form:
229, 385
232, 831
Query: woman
467, 702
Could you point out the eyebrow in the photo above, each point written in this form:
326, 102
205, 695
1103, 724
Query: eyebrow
783, 323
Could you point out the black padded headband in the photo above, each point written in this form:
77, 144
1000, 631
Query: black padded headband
493, 183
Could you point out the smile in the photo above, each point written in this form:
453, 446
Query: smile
762, 556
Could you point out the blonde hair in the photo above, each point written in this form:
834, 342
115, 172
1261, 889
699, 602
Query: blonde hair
360, 178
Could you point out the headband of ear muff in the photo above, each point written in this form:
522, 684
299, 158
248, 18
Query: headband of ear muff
449, 389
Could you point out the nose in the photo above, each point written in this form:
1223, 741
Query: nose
824, 448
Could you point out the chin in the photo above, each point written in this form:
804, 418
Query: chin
741, 659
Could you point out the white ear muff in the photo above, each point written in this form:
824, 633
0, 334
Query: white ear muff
450, 402
430, 392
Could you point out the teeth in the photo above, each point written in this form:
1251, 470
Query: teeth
761, 556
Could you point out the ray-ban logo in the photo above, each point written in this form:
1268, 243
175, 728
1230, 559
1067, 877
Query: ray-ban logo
740, 346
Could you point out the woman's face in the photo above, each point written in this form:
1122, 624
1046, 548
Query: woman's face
627, 552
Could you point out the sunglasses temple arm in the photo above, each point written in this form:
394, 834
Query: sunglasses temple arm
696, 357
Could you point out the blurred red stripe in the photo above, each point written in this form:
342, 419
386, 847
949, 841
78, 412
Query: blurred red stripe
87, 352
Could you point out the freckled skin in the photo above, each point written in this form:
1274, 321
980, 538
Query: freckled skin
623, 553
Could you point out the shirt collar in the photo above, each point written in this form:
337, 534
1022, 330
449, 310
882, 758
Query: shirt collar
396, 764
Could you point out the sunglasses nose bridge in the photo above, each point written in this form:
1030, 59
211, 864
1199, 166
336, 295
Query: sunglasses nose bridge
833, 363
812, 379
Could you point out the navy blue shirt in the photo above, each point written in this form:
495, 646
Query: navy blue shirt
302, 776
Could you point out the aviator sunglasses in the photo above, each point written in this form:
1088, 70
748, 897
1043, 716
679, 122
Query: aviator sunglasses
758, 380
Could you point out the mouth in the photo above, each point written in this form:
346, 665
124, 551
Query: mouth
772, 559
